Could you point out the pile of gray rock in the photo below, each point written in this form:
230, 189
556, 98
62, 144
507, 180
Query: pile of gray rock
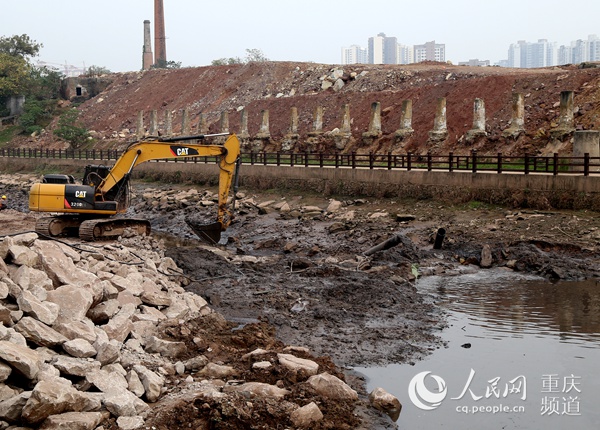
77, 332
80, 344
337, 78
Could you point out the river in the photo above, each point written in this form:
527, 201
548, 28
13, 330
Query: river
522, 353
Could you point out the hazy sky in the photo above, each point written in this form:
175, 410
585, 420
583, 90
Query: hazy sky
109, 33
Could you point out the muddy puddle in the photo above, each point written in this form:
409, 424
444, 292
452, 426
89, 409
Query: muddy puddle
522, 353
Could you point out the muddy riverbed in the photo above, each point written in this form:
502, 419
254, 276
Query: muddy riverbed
305, 272
296, 262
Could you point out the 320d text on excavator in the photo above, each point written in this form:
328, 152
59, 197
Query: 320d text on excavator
88, 208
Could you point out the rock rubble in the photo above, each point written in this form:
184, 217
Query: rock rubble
81, 345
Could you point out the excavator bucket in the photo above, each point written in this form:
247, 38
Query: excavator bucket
209, 233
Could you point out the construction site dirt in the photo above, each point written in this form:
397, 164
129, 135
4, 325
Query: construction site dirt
292, 269
276, 88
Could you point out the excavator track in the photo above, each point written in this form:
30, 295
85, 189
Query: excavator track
94, 229
57, 225
90, 229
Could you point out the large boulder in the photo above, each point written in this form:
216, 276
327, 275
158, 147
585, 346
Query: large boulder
74, 421
332, 387
22, 256
257, 389
46, 312
385, 402
39, 333
298, 365
120, 325
21, 358
55, 396
122, 402
106, 381
79, 348
59, 267
165, 348
74, 301
306, 416
28, 278
75, 366
152, 382
11, 409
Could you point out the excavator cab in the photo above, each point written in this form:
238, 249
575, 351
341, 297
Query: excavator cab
53, 178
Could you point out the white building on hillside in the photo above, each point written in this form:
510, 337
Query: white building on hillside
376, 45
354, 55
430, 51
532, 54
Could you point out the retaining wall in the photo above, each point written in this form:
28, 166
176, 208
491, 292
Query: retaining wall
541, 191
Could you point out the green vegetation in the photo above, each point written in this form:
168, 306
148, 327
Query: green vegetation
20, 46
252, 56
95, 71
13, 76
41, 88
15, 52
255, 56
162, 64
70, 129
7, 134
18, 77
226, 61
474, 204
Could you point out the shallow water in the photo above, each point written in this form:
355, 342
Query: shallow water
522, 353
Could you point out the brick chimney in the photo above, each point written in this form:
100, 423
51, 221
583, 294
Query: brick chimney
147, 57
160, 43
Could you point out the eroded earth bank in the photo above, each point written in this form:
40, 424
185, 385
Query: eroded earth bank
291, 301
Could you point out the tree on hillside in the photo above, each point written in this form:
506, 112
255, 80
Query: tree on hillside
43, 89
13, 75
95, 71
252, 56
225, 61
162, 64
39, 85
20, 46
71, 129
15, 52
255, 56
44, 83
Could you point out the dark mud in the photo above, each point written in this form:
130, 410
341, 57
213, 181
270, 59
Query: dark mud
304, 270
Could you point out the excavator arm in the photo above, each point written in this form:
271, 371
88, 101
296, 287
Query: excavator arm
102, 192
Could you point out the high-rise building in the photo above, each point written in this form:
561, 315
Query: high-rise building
386, 50
585, 50
528, 55
354, 55
430, 51
376, 45
405, 54
544, 54
565, 55
579, 51
594, 47
390, 50
514, 54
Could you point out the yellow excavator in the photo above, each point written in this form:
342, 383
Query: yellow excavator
88, 208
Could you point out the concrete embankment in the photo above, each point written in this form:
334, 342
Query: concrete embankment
539, 191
